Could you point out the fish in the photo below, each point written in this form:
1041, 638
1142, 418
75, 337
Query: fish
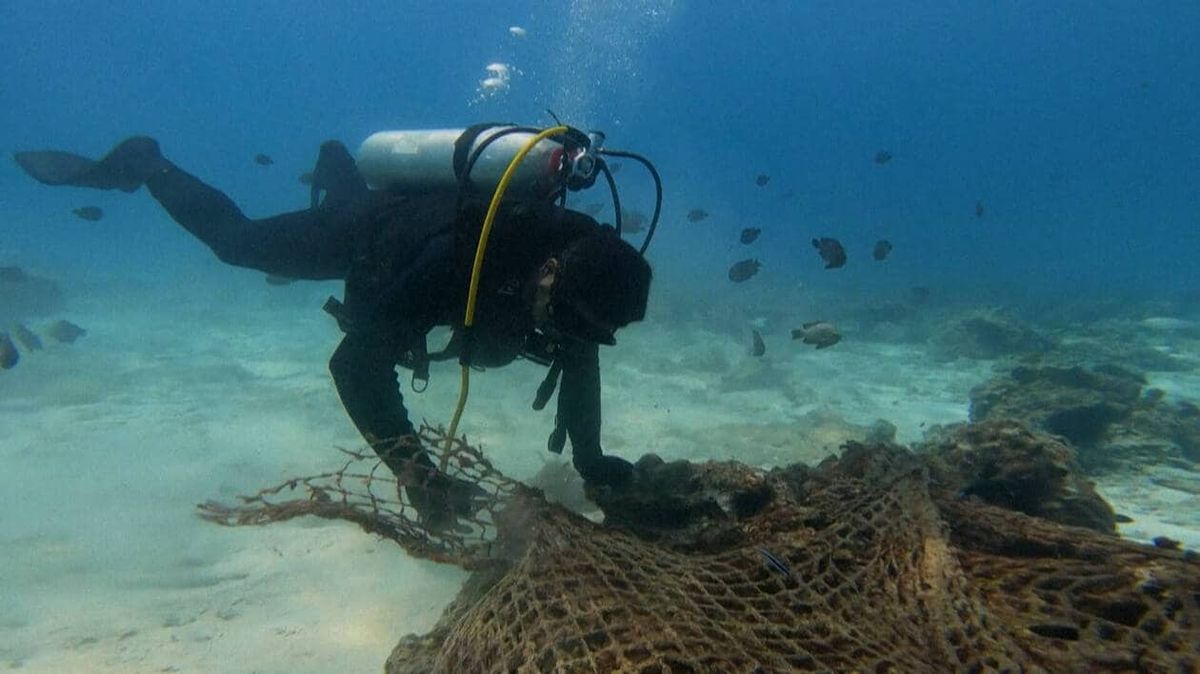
27, 338
881, 250
919, 294
882, 157
749, 234
632, 221
831, 251
758, 347
979, 208
9, 356
263, 160
517, 31
89, 213
306, 178
818, 333
697, 214
13, 275
742, 271
65, 332
592, 209
762, 180
776, 564
613, 167
277, 280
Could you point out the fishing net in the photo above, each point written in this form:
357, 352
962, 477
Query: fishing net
864, 563
363, 491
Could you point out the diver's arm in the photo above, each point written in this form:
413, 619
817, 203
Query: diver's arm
378, 332
579, 415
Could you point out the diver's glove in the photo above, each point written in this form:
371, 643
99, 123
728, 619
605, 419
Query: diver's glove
605, 471
441, 500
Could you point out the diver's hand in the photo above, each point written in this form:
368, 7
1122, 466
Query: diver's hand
605, 471
441, 501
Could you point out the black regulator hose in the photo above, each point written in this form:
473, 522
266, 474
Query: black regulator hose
657, 189
616, 199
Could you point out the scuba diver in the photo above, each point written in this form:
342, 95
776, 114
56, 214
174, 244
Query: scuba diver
403, 226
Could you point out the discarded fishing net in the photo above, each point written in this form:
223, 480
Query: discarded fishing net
364, 492
865, 563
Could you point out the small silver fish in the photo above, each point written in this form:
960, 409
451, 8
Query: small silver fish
65, 332
817, 333
27, 338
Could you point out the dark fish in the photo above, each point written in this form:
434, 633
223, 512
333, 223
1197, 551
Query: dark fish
27, 338
65, 332
758, 347
776, 564
831, 251
818, 333
632, 221
263, 160
13, 275
919, 294
749, 234
882, 248
89, 213
697, 214
1165, 543
742, 271
762, 180
306, 178
979, 208
882, 157
593, 209
277, 280
1122, 519
8, 353
614, 168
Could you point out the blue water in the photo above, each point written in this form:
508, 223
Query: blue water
1076, 123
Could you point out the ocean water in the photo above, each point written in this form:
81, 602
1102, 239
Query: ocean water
1044, 164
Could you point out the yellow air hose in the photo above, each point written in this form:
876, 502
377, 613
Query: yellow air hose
464, 387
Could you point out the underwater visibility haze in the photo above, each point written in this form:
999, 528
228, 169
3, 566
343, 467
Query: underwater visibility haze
957, 233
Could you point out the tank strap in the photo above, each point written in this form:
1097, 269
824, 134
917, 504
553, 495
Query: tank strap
463, 144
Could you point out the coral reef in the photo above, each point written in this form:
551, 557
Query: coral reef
1104, 412
1006, 464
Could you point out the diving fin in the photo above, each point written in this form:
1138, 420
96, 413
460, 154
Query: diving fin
125, 168
337, 175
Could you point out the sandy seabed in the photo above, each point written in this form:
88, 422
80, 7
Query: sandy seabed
182, 394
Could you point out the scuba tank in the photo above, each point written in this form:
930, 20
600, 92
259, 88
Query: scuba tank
474, 159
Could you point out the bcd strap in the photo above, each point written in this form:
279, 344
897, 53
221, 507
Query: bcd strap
558, 438
546, 389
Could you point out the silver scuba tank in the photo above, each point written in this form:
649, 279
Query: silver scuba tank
424, 160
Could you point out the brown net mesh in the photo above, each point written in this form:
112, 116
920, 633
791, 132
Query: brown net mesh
363, 491
879, 569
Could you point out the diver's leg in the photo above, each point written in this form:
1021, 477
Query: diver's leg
125, 168
311, 244
308, 244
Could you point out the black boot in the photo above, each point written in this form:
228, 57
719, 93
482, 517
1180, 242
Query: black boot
125, 168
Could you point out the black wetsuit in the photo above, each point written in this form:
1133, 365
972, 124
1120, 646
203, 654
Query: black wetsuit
406, 270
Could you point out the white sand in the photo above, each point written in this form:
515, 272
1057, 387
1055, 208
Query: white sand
186, 392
